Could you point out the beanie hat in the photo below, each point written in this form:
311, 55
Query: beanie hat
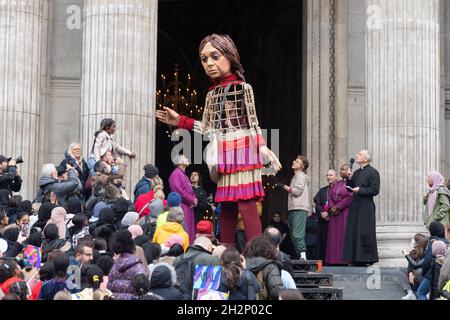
130, 218
94, 275
174, 199
150, 171
3, 159
135, 231
204, 227
174, 239
437, 230
61, 170
156, 207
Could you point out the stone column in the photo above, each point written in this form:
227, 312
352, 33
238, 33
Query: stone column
320, 88
119, 76
445, 58
403, 113
23, 38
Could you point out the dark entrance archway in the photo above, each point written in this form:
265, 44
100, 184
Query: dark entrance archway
268, 35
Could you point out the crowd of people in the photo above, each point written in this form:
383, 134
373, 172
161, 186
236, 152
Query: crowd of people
84, 238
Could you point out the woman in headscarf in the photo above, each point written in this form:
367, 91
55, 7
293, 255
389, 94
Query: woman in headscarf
106, 225
130, 219
58, 217
437, 200
121, 207
44, 214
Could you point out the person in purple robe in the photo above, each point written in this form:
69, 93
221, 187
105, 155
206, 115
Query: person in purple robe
179, 182
339, 201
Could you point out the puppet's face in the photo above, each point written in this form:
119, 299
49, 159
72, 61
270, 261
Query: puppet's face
216, 65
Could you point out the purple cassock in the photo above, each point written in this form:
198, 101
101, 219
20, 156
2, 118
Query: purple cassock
340, 198
179, 182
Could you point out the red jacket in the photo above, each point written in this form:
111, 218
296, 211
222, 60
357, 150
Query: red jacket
5, 285
142, 200
35, 291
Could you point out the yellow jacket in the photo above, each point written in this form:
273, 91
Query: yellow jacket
163, 233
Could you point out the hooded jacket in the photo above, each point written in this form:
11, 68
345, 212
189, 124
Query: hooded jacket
204, 258
163, 233
271, 274
143, 186
163, 280
121, 276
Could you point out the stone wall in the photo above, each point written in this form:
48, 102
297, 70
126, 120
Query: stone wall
63, 111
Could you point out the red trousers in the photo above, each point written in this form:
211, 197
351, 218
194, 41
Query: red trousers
228, 220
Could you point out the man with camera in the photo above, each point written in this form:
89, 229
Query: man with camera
10, 180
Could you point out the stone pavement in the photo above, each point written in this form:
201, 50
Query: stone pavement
360, 283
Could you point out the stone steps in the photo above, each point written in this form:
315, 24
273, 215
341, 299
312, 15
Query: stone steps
313, 283
361, 283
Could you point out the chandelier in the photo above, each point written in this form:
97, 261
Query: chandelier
178, 96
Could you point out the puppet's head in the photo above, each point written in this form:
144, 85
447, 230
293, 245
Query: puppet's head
220, 57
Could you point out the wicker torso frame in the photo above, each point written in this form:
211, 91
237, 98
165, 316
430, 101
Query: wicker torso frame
229, 113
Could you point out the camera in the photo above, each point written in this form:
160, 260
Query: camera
19, 160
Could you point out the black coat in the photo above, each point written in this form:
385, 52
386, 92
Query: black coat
436, 267
360, 237
286, 263
202, 205
161, 283
9, 182
83, 173
321, 200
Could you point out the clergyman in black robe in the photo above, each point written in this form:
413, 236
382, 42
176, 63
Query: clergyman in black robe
360, 238
321, 200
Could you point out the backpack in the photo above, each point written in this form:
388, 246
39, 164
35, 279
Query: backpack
263, 294
185, 270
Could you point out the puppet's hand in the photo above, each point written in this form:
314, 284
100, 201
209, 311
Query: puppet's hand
266, 152
168, 116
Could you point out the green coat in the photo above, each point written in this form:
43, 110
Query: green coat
441, 210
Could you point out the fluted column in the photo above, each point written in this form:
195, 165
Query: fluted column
119, 75
403, 113
23, 29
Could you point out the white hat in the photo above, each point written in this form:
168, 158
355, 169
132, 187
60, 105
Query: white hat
3, 246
